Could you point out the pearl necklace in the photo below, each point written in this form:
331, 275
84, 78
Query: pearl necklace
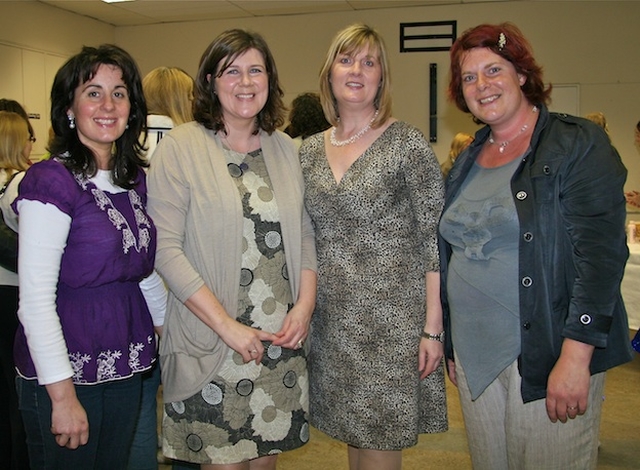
504, 144
341, 143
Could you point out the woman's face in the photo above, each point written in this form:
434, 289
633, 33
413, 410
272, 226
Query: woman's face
356, 77
243, 87
101, 109
28, 147
491, 86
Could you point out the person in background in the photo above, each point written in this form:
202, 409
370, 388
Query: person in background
374, 192
168, 92
236, 249
633, 196
532, 252
306, 117
600, 120
87, 285
169, 95
15, 147
15, 107
460, 142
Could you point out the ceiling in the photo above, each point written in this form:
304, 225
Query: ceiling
145, 12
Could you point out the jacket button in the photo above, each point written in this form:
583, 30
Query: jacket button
521, 195
527, 281
585, 319
546, 170
526, 325
528, 236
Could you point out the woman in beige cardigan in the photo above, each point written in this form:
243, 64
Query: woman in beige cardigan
236, 249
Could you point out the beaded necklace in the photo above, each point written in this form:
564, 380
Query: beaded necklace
341, 143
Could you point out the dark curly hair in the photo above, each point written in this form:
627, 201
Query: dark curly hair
516, 49
306, 116
215, 60
128, 147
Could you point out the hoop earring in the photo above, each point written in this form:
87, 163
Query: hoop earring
72, 121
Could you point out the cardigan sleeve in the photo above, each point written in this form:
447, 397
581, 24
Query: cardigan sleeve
168, 206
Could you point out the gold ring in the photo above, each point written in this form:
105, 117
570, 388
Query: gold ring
572, 408
253, 351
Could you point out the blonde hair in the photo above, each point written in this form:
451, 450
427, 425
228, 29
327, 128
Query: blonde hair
460, 142
352, 39
599, 119
169, 92
14, 135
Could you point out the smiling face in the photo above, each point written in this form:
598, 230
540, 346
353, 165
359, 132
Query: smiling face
101, 110
491, 86
355, 77
243, 87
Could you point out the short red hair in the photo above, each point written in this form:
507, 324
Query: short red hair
512, 47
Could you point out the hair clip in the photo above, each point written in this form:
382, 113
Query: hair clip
502, 41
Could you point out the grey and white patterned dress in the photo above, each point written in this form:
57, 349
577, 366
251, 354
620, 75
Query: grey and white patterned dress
249, 411
376, 239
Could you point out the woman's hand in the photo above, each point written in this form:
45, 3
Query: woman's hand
295, 328
245, 340
451, 368
569, 381
633, 198
69, 422
429, 356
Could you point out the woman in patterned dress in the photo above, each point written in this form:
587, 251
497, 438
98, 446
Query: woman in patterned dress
85, 265
236, 249
374, 193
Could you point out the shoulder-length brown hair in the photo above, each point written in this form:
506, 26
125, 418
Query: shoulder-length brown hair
350, 40
507, 41
220, 54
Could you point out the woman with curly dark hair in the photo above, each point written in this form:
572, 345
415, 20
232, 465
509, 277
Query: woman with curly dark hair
87, 285
236, 249
306, 117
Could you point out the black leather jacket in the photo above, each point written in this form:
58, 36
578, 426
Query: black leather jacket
568, 193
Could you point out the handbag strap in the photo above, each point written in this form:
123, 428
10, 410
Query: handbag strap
4, 187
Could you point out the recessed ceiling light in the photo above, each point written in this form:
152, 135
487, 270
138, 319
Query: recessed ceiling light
117, 1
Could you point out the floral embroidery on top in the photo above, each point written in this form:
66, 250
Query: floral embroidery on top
107, 365
78, 360
119, 221
134, 356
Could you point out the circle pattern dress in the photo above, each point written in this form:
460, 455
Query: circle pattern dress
249, 411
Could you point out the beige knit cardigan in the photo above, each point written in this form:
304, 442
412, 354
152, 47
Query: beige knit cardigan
198, 213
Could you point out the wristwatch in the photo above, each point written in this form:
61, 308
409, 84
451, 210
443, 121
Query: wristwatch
439, 337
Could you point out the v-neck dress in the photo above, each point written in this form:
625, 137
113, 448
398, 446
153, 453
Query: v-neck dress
376, 240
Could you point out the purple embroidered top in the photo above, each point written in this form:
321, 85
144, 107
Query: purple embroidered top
111, 247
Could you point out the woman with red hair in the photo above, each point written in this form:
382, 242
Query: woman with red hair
532, 247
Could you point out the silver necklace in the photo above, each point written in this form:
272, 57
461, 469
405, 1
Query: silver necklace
341, 143
504, 144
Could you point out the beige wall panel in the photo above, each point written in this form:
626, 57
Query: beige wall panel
11, 83
35, 97
38, 26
